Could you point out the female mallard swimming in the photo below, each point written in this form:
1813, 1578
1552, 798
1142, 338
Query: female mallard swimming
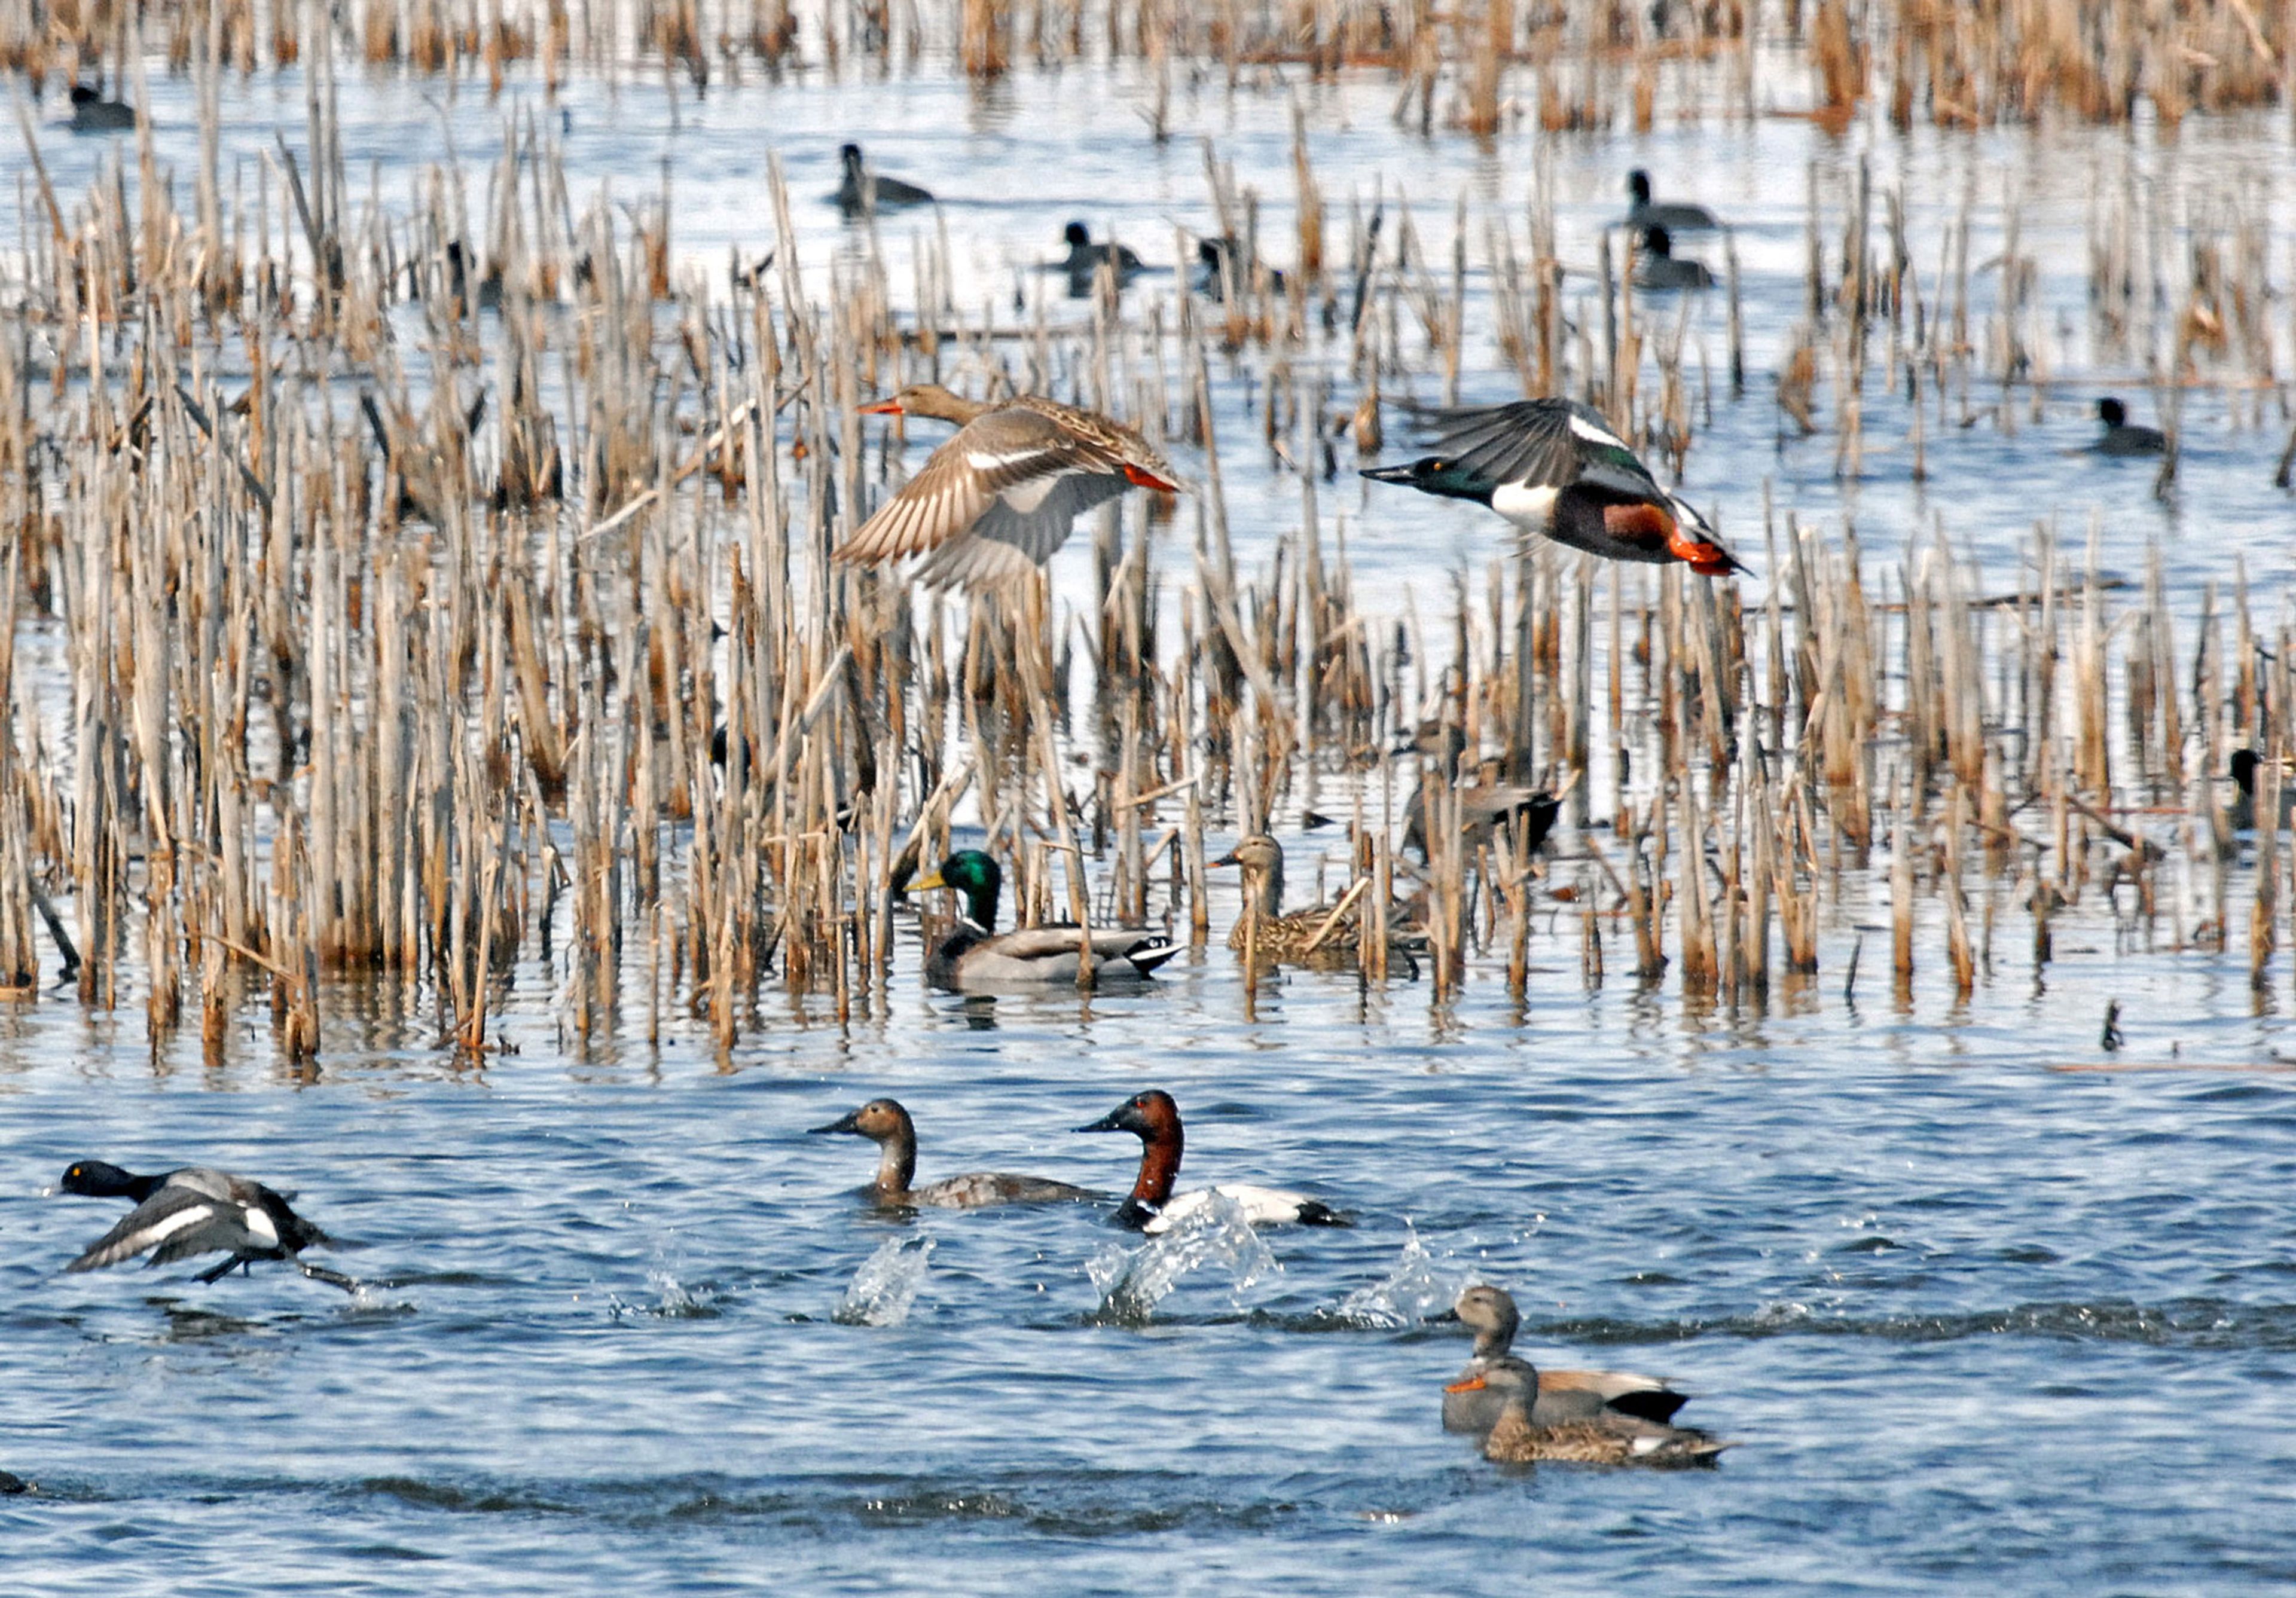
1609, 1439
975, 954
1309, 938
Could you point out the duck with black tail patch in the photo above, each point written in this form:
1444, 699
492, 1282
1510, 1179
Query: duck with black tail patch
195, 1210
974, 956
1153, 1207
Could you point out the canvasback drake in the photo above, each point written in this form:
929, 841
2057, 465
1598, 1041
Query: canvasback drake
1151, 1207
196, 1210
995, 502
1609, 1439
884, 1122
1562, 1397
973, 954
1554, 467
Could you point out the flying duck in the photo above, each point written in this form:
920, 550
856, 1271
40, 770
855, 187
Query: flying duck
1151, 1207
996, 500
975, 954
887, 1125
196, 1210
1555, 467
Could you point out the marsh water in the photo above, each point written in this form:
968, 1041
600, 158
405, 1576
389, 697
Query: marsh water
1985, 1304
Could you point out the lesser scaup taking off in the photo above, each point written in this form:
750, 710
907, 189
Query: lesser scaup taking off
859, 190
1153, 1207
1554, 467
887, 1125
974, 954
2123, 436
1563, 1396
1609, 1439
196, 1210
994, 503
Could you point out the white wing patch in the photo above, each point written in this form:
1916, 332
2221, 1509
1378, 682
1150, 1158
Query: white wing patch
182, 1220
1024, 497
258, 1221
1595, 434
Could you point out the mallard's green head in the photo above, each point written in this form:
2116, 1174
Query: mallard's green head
974, 875
1438, 474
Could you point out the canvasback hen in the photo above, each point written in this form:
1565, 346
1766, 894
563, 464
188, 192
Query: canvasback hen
1153, 1207
884, 1122
1562, 1397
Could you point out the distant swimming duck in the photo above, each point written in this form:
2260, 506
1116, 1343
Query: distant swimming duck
1674, 215
1485, 805
1221, 258
2241, 815
195, 1210
1555, 467
93, 113
1608, 1438
1563, 1396
859, 190
1086, 258
13, 1485
994, 503
886, 1124
1655, 268
975, 954
2123, 436
1153, 1207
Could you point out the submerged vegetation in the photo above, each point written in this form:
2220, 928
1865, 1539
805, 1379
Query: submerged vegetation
425, 597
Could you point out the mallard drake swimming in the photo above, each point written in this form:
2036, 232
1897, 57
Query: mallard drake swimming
2123, 436
1563, 1396
1656, 267
1153, 1207
1309, 938
887, 1125
195, 1210
1642, 212
974, 954
1555, 467
859, 190
994, 503
1607, 1438
93, 113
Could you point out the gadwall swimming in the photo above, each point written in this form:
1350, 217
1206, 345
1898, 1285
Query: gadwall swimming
1554, 467
995, 501
2123, 436
1642, 212
974, 954
1153, 1207
887, 1125
1563, 1396
196, 1210
859, 190
1609, 1439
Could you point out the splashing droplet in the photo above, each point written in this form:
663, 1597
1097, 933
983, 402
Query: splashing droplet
886, 1285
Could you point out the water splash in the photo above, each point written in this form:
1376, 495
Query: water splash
1412, 1290
1132, 1281
886, 1285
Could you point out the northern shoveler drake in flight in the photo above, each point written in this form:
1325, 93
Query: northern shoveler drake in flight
1555, 467
998, 499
